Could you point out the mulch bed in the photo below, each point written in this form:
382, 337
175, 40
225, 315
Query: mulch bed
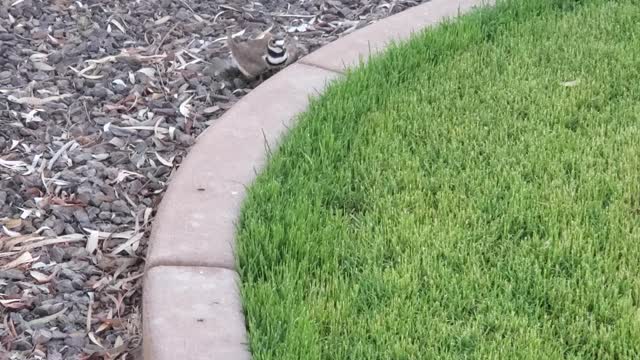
100, 101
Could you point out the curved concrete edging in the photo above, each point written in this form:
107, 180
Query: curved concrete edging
191, 304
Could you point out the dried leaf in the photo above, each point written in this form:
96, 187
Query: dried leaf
40, 277
100, 157
211, 109
15, 165
15, 304
162, 20
118, 82
25, 258
117, 142
9, 232
118, 343
92, 242
164, 161
82, 73
185, 108
104, 326
124, 174
58, 240
118, 25
92, 336
33, 101
38, 57
58, 153
31, 116
128, 244
150, 72
147, 215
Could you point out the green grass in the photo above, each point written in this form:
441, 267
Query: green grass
453, 200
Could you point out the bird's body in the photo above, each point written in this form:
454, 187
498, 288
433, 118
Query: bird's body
256, 56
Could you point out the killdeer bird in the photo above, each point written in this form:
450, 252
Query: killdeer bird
254, 57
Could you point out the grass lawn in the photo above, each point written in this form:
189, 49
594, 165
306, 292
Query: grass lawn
474, 193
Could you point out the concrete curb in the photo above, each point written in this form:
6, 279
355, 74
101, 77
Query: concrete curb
191, 303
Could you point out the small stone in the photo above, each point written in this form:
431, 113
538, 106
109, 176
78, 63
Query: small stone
105, 206
56, 254
69, 274
52, 354
77, 252
64, 286
99, 199
41, 336
21, 345
75, 340
82, 216
12, 289
119, 206
62, 212
48, 309
55, 57
80, 158
239, 83
93, 212
5, 77
49, 233
12, 274
77, 284
101, 92
58, 335
58, 227
78, 83
68, 229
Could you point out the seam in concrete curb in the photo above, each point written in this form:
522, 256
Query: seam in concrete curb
191, 300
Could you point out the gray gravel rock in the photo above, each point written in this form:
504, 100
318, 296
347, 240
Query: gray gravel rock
12, 274
56, 254
41, 336
64, 286
49, 308
119, 206
95, 151
75, 340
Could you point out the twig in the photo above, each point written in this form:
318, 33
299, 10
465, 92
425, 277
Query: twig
187, 5
84, 104
230, 8
162, 83
165, 38
89, 311
292, 15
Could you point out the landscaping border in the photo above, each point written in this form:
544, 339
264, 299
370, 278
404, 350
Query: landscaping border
191, 303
